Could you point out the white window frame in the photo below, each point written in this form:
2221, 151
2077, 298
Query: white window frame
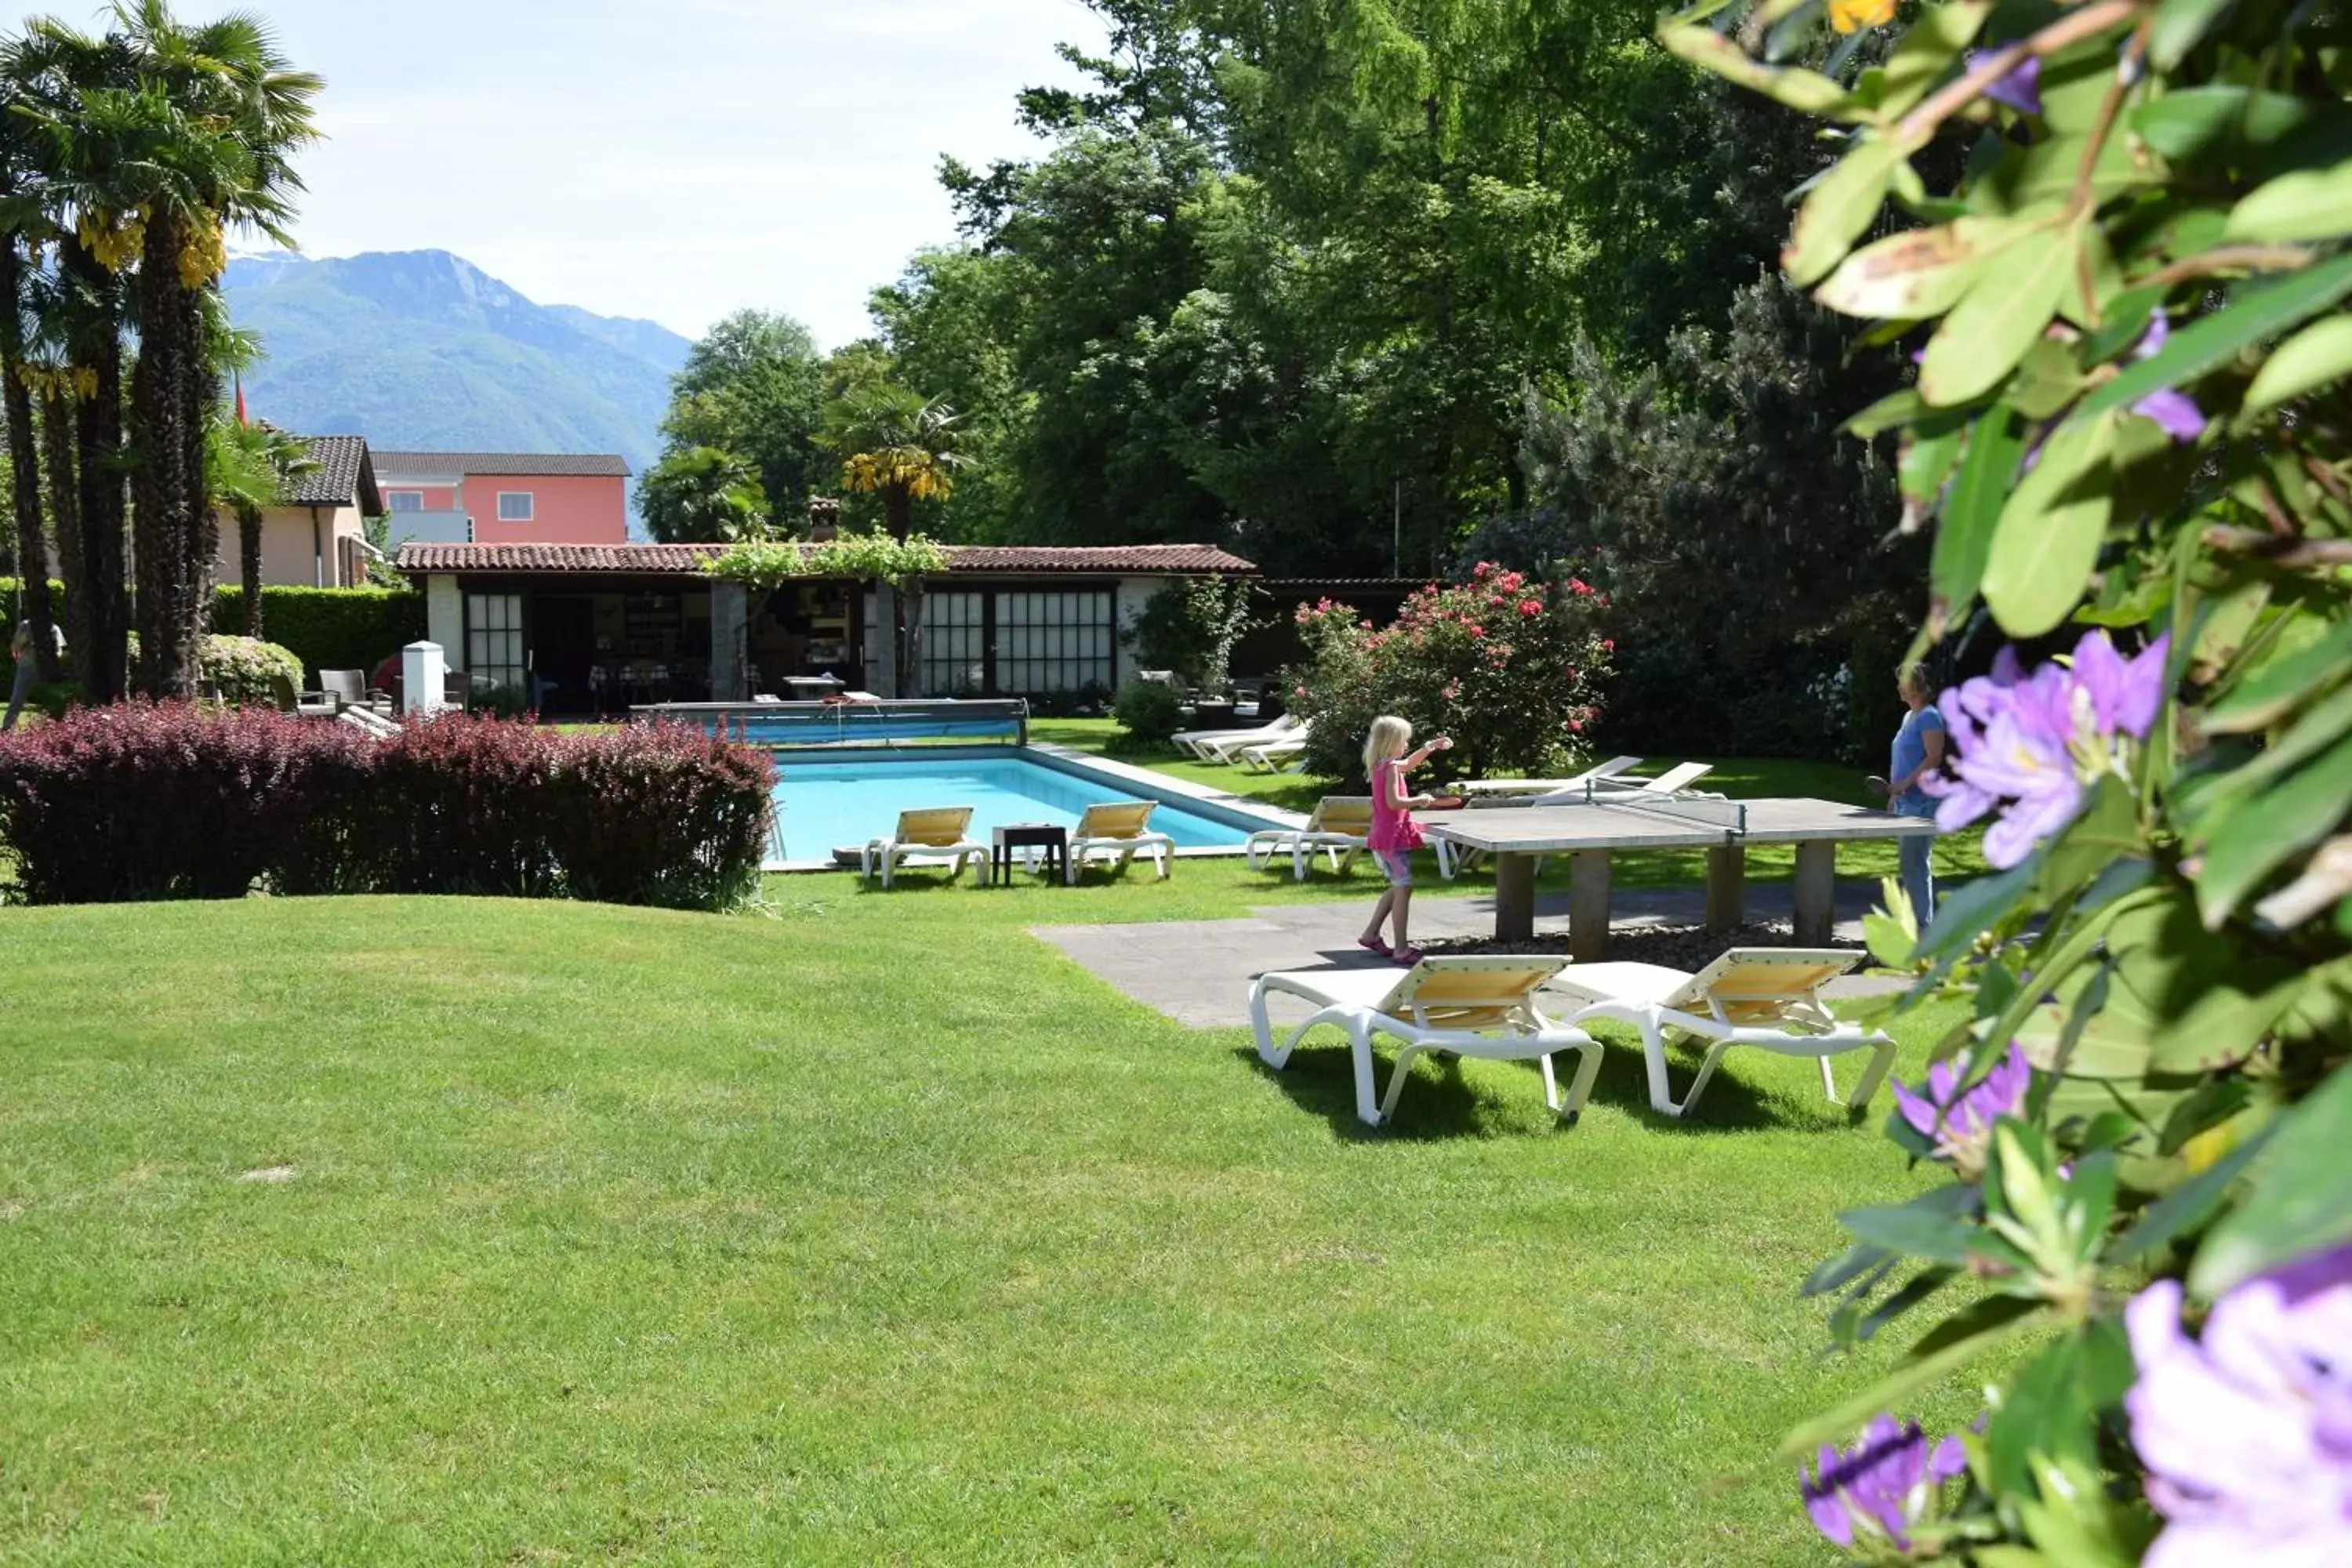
529, 506
392, 500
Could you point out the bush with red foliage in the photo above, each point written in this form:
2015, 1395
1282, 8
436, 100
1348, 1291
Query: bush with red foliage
144, 801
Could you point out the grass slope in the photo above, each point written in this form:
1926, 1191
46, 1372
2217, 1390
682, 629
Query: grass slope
874, 1231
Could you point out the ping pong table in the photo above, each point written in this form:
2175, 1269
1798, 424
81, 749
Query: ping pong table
1589, 830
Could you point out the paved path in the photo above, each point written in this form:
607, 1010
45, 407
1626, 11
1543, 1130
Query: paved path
1199, 972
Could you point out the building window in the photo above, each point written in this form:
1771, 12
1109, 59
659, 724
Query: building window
1015, 643
494, 655
514, 505
955, 643
404, 500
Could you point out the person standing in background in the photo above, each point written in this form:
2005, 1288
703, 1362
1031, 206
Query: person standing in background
1919, 755
20, 648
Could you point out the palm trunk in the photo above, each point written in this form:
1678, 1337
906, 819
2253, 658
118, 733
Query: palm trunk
65, 510
99, 463
24, 465
249, 565
162, 527
898, 509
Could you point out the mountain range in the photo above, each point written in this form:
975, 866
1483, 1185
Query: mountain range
422, 350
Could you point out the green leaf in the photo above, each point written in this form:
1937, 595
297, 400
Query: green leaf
1915, 1289
2271, 829
1895, 408
2300, 1199
2314, 357
2047, 381
1958, 1342
1964, 534
1929, 457
2178, 27
1990, 330
2275, 690
1921, 272
2256, 315
1969, 909
1916, 1229
1807, 92
2049, 535
2217, 125
1838, 209
1926, 53
2185, 1207
2310, 204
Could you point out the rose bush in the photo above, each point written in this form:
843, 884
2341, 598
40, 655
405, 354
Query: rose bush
1511, 667
2127, 242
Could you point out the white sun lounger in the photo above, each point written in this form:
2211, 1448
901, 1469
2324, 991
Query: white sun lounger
1220, 745
1676, 780
1273, 756
1118, 831
1339, 828
1473, 1007
1476, 789
927, 836
1767, 996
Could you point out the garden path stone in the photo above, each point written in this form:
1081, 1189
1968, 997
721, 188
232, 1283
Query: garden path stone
1199, 972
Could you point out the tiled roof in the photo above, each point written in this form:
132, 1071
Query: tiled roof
1121, 558
686, 559
559, 465
343, 476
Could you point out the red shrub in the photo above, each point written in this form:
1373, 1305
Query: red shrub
143, 802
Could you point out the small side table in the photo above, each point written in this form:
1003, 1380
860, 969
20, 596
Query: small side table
1054, 841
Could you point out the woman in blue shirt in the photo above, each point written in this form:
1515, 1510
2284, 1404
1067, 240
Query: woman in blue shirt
1918, 752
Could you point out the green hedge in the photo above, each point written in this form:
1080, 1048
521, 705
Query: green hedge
328, 629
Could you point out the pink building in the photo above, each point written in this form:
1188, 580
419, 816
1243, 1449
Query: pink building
511, 497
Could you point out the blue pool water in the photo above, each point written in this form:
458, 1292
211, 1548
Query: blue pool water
829, 802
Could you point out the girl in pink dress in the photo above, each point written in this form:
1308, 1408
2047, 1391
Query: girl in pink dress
1395, 836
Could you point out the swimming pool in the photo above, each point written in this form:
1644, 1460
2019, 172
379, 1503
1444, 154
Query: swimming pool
828, 801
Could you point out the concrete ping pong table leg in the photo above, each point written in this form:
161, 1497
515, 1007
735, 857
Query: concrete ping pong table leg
1514, 897
1726, 888
1588, 905
1816, 893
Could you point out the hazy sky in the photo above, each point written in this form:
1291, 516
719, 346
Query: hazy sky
668, 159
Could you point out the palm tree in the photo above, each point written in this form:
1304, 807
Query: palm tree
895, 441
19, 216
248, 468
205, 141
45, 74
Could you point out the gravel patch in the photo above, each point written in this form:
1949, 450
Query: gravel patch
1692, 947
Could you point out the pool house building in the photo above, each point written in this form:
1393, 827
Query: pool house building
586, 629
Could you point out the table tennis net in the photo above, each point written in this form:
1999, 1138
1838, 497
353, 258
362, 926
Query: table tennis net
1694, 810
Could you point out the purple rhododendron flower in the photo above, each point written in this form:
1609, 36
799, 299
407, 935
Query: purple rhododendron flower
2175, 411
2020, 89
2036, 741
1960, 1125
2247, 1431
1883, 1487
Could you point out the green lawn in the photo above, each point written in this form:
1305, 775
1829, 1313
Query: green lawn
866, 1227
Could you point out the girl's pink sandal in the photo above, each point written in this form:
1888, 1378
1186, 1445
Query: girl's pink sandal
1374, 944
1407, 956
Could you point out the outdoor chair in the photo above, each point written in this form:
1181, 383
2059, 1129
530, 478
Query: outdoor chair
345, 688
307, 704
1339, 827
1483, 789
932, 836
1482, 1005
1222, 745
1118, 831
1765, 996
1273, 756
